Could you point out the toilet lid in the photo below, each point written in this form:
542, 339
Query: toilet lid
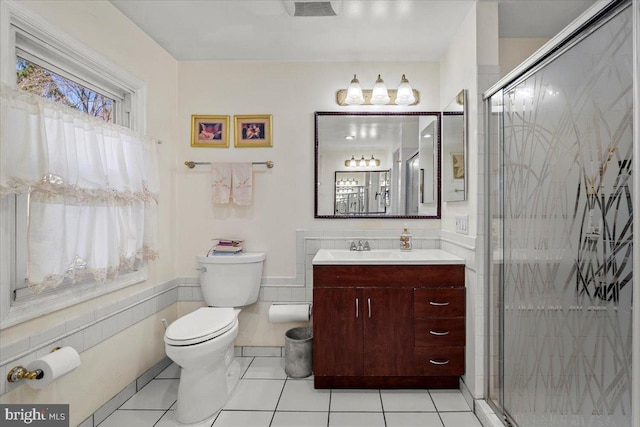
201, 325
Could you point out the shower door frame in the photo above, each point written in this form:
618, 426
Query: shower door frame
568, 37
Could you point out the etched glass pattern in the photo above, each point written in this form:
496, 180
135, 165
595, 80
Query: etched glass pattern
567, 235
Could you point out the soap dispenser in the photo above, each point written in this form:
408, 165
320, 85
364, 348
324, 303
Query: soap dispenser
405, 239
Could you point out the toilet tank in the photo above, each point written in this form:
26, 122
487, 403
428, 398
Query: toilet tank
231, 280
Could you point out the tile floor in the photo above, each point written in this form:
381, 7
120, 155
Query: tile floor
265, 397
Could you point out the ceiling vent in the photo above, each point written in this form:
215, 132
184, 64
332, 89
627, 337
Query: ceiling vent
312, 7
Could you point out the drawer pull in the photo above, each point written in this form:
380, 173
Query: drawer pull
439, 334
439, 304
438, 362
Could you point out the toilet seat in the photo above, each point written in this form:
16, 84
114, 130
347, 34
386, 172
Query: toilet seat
201, 325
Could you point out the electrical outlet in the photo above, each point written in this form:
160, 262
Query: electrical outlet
462, 224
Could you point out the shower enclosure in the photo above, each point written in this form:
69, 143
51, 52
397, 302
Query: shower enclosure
560, 248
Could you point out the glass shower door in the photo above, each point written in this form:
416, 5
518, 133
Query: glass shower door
564, 233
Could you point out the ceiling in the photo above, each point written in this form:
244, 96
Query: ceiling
364, 30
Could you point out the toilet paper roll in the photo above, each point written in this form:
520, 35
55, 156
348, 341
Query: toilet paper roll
289, 313
53, 366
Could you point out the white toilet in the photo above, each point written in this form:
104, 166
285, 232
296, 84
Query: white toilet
201, 342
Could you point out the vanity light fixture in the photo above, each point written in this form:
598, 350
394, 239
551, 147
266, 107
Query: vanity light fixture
379, 95
361, 162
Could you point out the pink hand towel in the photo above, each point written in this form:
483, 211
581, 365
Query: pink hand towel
220, 182
241, 183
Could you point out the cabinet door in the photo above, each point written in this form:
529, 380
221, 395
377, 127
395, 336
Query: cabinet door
337, 331
388, 332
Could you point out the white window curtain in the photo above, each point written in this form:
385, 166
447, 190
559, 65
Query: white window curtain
93, 190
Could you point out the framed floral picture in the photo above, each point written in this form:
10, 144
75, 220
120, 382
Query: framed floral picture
253, 131
209, 131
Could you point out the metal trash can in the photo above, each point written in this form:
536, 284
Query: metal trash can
298, 352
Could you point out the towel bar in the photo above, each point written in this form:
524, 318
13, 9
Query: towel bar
191, 164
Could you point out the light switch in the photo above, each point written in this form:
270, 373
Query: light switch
462, 224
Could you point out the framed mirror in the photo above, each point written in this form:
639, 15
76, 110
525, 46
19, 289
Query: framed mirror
377, 165
454, 149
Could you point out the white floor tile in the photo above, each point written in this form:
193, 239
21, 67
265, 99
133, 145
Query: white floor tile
406, 401
356, 419
244, 364
301, 396
355, 401
122, 418
460, 419
412, 419
243, 419
256, 395
266, 368
158, 394
171, 371
300, 419
169, 420
449, 401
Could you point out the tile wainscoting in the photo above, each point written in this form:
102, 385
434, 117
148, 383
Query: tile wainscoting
90, 329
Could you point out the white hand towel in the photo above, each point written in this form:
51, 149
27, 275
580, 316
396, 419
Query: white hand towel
220, 182
241, 183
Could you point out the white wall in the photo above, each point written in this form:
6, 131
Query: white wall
514, 51
103, 28
283, 196
458, 70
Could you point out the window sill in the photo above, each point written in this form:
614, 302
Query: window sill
22, 311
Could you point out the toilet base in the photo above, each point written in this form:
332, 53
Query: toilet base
202, 396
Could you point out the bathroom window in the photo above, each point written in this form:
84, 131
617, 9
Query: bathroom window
43, 82
39, 59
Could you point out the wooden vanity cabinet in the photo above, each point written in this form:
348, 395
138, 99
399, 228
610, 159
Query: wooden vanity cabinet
373, 326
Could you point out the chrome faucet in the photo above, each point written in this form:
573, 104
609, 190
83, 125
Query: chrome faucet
360, 246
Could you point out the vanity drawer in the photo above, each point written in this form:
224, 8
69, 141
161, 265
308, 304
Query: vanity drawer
440, 332
439, 360
439, 302
404, 276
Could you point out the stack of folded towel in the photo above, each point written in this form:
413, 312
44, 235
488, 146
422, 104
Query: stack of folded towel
226, 247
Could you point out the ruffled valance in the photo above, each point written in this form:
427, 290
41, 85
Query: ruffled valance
93, 189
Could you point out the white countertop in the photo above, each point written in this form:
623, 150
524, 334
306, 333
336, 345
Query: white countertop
385, 257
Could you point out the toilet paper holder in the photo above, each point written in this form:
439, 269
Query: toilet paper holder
18, 373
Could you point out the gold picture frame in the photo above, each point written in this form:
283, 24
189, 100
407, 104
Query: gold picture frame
210, 131
253, 131
457, 165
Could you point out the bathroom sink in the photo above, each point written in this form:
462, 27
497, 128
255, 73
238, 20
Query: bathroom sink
385, 257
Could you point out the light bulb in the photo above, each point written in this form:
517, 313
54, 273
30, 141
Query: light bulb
379, 94
404, 95
354, 93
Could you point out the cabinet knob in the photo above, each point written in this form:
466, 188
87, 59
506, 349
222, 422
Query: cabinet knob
438, 362
439, 334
